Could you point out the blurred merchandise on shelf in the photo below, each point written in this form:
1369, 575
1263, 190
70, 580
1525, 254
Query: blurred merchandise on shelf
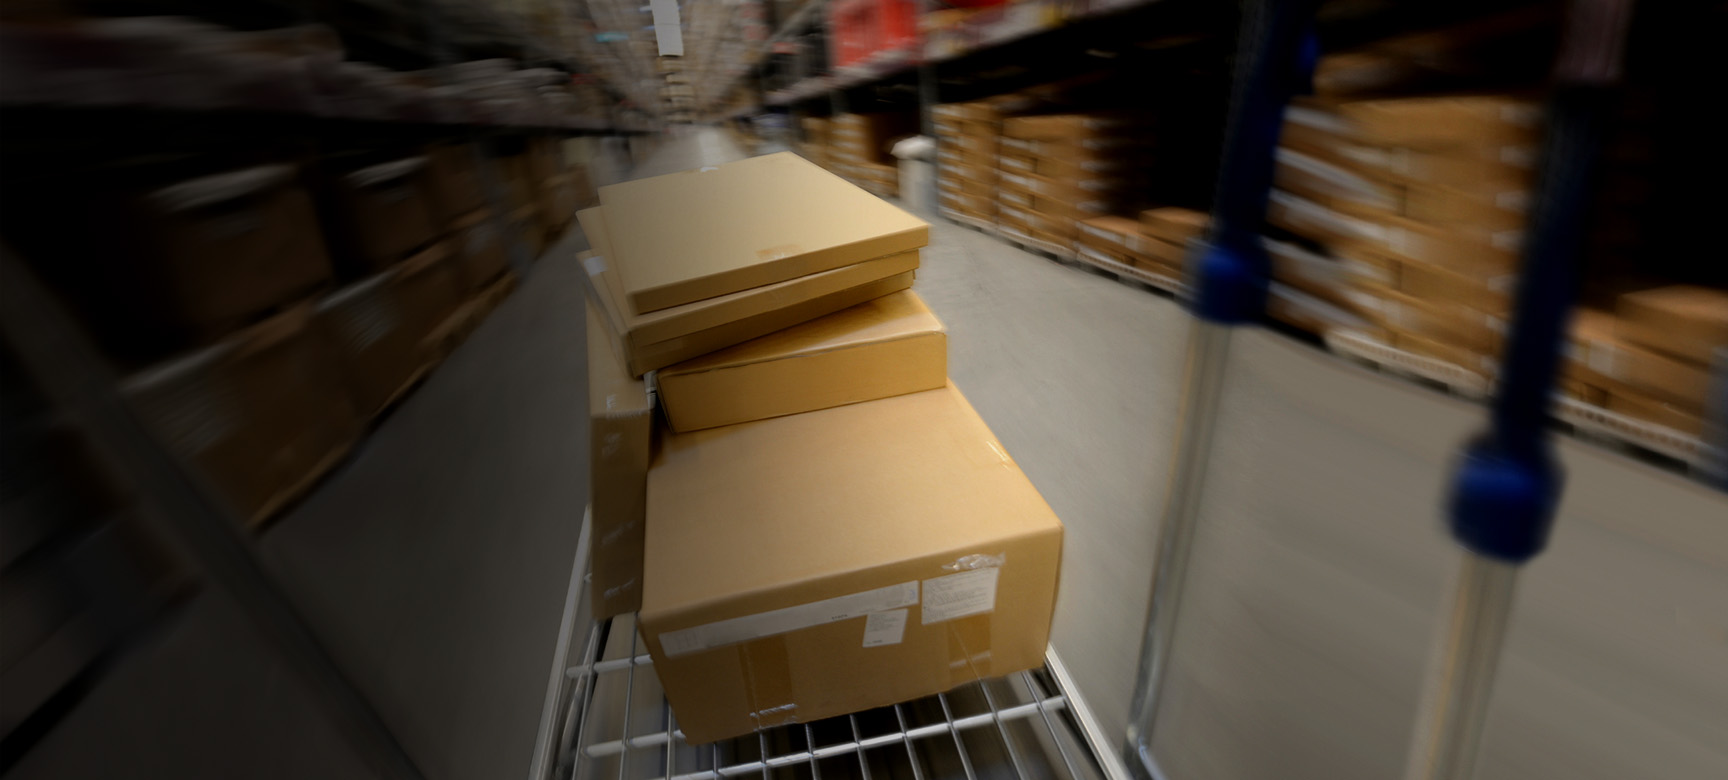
381, 326
860, 148
867, 29
967, 135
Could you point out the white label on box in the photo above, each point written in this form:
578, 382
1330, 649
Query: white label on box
780, 621
885, 628
958, 595
596, 265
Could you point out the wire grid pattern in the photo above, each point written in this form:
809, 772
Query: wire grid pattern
620, 727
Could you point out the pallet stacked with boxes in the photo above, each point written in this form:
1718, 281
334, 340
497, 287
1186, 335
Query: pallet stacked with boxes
859, 147
1409, 213
816, 139
1651, 357
967, 135
1056, 170
817, 502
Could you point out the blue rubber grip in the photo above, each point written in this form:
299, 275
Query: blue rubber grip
1507, 485
1229, 271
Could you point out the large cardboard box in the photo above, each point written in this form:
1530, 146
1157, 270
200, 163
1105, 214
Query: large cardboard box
620, 441
661, 338
1174, 224
889, 346
1682, 320
380, 326
1429, 122
261, 414
1651, 410
829, 562
690, 236
480, 252
453, 184
383, 213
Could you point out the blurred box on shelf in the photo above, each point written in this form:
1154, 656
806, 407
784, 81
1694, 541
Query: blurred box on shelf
911, 559
1442, 121
379, 326
1597, 354
690, 236
1174, 224
261, 414
1316, 179
383, 213
889, 346
662, 338
1449, 353
1476, 251
453, 181
1685, 321
620, 441
1117, 237
481, 253
1440, 205
977, 205
1491, 294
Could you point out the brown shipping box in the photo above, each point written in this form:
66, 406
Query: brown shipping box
1682, 320
1173, 224
620, 441
1642, 407
261, 414
914, 559
384, 213
453, 181
380, 325
481, 255
1118, 236
223, 248
1428, 122
664, 337
699, 234
889, 346
1598, 355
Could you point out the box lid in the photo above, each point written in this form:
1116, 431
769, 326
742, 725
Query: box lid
1683, 320
698, 234
640, 330
737, 513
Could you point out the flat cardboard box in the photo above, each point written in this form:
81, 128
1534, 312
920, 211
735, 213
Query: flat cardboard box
1055, 127
1118, 234
261, 414
1442, 205
889, 346
1164, 256
1486, 253
380, 326
1317, 179
620, 444
1491, 294
1174, 224
481, 254
1092, 188
1598, 355
956, 200
912, 559
700, 234
1453, 325
1682, 320
972, 111
1651, 410
640, 333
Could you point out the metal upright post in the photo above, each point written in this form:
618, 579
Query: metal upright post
1228, 279
1507, 485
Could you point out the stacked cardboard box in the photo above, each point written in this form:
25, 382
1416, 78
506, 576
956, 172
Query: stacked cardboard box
1651, 357
816, 140
967, 135
1408, 212
819, 505
860, 145
1059, 169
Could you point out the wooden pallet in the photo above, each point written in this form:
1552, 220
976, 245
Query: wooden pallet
980, 225
1132, 274
1057, 252
1455, 379
1595, 423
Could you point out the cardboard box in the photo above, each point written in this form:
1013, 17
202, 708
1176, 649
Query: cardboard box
889, 346
1643, 407
1467, 250
557, 203
453, 186
1491, 294
620, 444
1064, 127
1316, 130
964, 202
379, 326
1316, 179
1685, 321
1441, 205
1450, 353
1453, 325
974, 111
261, 414
1164, 256
1430, 122
1119, 236
1597, 355
1096, 188
384, 214
1174, 224
914, 559
700, 234
664, 337
217, 251
480, 252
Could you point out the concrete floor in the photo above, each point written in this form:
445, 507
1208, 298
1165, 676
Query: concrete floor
435, 562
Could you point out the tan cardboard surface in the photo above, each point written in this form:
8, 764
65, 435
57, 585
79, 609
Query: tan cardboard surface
674, 331
885, 347
689, 236
1174, 224
1683, 320
620, 439
826, 562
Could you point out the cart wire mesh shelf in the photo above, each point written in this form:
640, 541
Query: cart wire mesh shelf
619, 727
